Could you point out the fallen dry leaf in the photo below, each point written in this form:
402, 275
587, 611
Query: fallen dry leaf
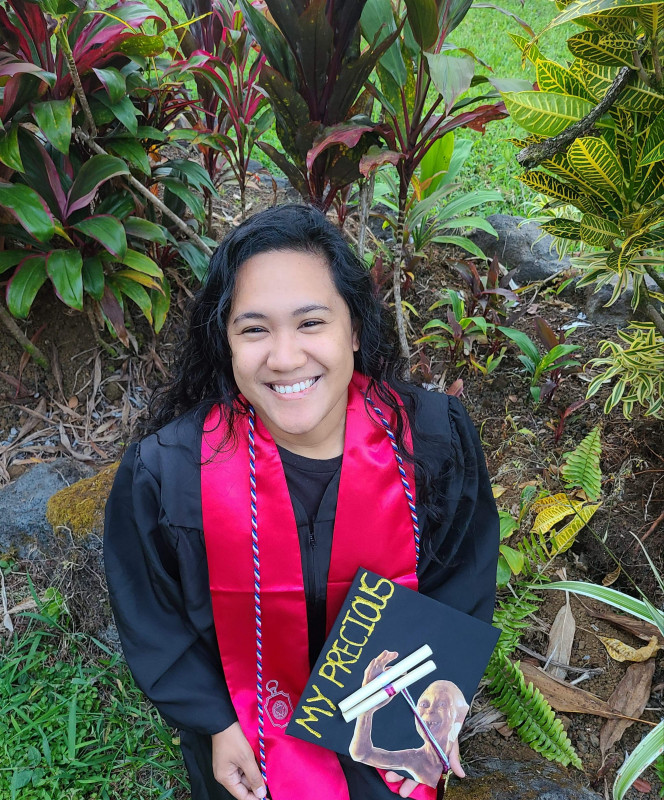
564, 697
561, 638
497, 491
611, 577
637, 627
642, 785
629, 698
619, 651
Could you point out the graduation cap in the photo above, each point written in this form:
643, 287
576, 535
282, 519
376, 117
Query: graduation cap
394, 681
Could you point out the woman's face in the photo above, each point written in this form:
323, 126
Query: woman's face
292, 342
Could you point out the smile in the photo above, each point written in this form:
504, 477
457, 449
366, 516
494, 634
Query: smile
295, 388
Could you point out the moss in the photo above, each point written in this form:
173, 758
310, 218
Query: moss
80, 507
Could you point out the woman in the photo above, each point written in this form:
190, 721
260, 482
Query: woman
233, 531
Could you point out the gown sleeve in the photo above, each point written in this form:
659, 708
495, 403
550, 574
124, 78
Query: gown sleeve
167, 656
460, 569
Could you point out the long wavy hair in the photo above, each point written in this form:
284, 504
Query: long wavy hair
203, 373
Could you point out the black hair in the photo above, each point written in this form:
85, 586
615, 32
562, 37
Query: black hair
203, 374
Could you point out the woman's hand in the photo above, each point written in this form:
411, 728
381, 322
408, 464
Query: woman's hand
234, 764
409, 785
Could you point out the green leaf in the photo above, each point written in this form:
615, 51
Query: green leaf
195, 174
141, 263
64, 268
131, 151
194, 203
143, 45
523, 342
10, 258
546, 113
612, 597
598, 231
134, 291
54, 119
436, 163
29, 208
377, 20
503, 572
451, 75
551, 77
93, 277
114, 82
607, 49
90, 177
10, 153
581, 468
563, 228
514, 558
653, 149
71, 729
24, 285
144, 229
546, 184
507, 525
423, 19
643, 755
595, 163
107, 230
161, 303
198, 261
637, 96
124, 111
460, 241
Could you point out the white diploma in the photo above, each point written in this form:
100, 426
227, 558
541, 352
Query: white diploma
385, 677
382, 694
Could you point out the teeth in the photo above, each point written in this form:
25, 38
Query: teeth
295, 388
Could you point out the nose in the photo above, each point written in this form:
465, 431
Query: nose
286, 353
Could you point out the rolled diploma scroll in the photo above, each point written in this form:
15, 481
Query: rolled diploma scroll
395, 687
385, 677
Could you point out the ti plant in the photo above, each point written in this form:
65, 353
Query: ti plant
419, 87
605, 162
234, 111
457, 332
314, 76
552, 366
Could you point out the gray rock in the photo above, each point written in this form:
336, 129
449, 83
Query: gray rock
497, 779
23, 526
618, 314
517, 248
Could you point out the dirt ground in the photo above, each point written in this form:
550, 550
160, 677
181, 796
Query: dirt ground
89, 407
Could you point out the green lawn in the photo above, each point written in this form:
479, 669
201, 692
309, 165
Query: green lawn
492, 164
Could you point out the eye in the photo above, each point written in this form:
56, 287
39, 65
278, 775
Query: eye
253, 329
312, 323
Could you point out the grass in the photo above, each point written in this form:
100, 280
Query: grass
73, 723
492, 163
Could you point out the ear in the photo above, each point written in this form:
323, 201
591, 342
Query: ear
356, 336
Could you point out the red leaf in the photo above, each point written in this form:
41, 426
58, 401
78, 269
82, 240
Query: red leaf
455, 389
345, 133
368, 163
642, 786
115, 314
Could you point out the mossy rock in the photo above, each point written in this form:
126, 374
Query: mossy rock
80, 507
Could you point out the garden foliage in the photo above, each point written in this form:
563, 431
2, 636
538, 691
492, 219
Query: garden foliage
610, 179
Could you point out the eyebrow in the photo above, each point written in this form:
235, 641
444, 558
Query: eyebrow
298, 312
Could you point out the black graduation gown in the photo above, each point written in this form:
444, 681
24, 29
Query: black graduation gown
157, 574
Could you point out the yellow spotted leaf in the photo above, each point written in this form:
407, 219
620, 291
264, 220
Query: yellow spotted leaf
551, 515
564, 538
619, 651
550, 500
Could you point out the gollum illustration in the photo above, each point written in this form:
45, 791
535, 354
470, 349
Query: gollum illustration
441, 706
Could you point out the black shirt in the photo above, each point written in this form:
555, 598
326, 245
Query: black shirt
158, 582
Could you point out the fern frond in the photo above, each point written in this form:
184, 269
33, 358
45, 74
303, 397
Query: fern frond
528, 713
536, 553
510, 616
581, 467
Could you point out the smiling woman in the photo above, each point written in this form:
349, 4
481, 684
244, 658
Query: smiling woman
284, 454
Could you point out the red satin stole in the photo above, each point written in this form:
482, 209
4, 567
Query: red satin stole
372, 529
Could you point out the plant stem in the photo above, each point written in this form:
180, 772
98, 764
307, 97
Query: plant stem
366, 196
655, 317
9, 322
656, 63
61, 36
400, 247
659, 279
534, 154
643, 75
156, 202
